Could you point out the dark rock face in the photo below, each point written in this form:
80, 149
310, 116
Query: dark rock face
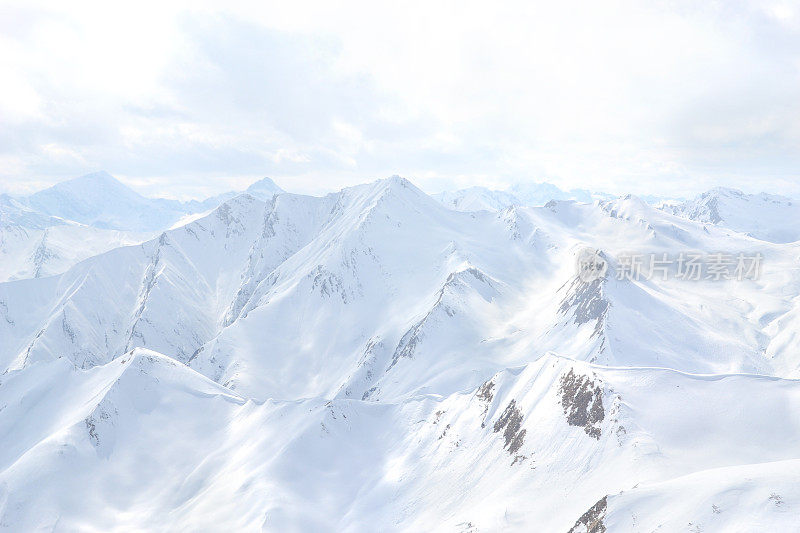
582, 400
592, 520
511, 423
486, 391
586, 301
485, 394
327, 283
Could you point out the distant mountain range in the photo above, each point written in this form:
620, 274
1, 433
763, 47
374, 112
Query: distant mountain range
523, 194
102, 201
764, 216
49, 231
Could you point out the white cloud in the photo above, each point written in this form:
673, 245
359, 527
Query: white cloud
665, 97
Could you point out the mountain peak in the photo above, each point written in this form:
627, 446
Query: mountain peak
393, 193
264, 187
86, 188
392, 183
99, 199
401, 187
99, 176
382, 186
397, 179
94, 179
634, 200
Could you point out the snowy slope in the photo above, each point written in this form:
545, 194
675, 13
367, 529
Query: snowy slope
373, 360
764, 216
532, 447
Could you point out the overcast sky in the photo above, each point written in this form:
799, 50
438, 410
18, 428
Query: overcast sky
664, 97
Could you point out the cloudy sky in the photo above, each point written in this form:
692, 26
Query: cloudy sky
185, 99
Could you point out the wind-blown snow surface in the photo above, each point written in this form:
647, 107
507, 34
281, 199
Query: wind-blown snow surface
371, 360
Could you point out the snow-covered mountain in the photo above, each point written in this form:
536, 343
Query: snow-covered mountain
263, 189
101, 201
374, 360
534, 194
523, 194
477, 199
764, 216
